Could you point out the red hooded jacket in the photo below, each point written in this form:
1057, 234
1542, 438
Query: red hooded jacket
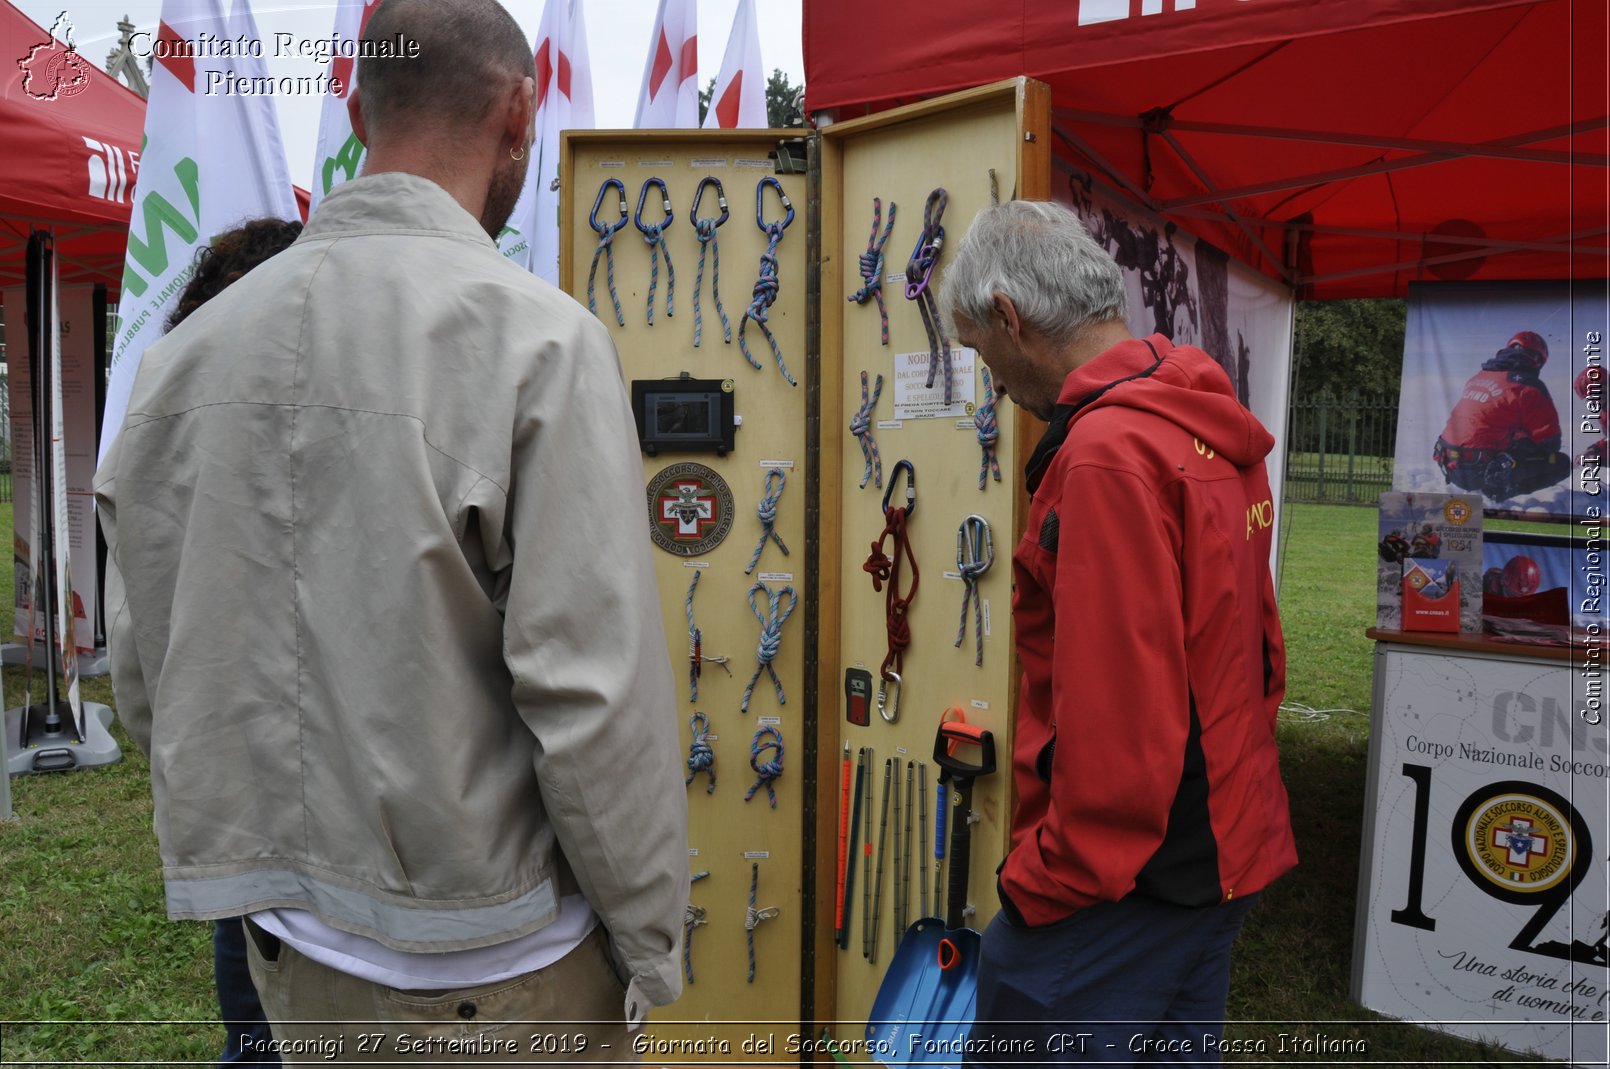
1153, 663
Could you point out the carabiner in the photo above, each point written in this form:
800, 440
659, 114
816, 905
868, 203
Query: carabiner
975, 545
721, 198
760, 196
598, 203
911, 486
642, 197
883, 696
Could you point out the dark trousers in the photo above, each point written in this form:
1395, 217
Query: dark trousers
1137, 982
238, 1005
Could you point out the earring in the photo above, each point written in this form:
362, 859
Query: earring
517, 154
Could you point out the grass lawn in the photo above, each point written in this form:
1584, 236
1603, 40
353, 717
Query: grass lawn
85, 938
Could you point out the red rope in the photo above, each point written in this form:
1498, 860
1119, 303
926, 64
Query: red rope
885, 569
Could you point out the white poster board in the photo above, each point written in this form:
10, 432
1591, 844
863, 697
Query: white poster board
1482, 888
78, 420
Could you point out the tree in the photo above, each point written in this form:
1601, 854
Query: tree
785, 101
1346, 345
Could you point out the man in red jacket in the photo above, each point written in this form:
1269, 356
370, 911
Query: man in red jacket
1150, 807
1503, 435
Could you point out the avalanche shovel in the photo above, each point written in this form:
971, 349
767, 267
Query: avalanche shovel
924, 1007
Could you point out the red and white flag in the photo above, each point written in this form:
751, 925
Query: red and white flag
212, 159
340, 153
564, 102
740, 95
670, 94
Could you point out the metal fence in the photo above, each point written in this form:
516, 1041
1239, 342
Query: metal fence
1339, 449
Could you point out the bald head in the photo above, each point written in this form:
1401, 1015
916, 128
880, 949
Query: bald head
469, 53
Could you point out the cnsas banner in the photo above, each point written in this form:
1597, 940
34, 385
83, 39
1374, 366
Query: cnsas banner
1502, 396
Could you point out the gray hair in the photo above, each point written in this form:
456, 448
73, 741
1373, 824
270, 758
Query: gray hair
1039, 254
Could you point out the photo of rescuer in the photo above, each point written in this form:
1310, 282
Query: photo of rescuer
1503, 435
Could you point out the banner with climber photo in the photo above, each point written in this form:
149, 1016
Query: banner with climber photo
1498, 398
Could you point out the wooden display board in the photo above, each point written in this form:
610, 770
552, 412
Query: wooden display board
720, 1010
900, 157
802, 977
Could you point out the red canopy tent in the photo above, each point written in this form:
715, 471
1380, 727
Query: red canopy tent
70, 135
1346, 149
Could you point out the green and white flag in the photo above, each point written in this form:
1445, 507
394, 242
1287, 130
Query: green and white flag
210, 160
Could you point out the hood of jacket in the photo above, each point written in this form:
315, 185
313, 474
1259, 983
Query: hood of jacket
1180, 383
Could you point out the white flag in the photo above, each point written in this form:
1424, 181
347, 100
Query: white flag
670, 94
69, 606
212, 158
564, 102
739, 99
340, 153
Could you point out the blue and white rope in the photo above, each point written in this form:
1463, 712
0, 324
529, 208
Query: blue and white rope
760, 305
606, 249
872, 267
771, 620
753, 916
654, 237
989, 432
971, 571
696, 654
701, 758
767, 738
767, 511
706, 229
861, 427
692, 918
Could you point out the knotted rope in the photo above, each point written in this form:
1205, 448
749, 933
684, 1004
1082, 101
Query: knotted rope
989, 432
753, 916
760, 306
767, 511
767, 771
771, 639
701, 758
706, 229
766, 285
872, 266
654, 237
861, 427
692, 918
696, 654
919, 269
606, 246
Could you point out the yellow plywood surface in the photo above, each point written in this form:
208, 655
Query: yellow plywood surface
730, 834
901, 158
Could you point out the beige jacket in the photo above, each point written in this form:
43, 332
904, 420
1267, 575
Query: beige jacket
382, 609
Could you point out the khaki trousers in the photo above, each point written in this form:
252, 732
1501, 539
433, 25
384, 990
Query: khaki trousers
573, 1011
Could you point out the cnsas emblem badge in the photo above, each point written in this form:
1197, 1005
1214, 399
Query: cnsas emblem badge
690, 509
1515, 840
1457, 511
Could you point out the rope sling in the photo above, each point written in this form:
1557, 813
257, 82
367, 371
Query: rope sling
872, 267
706, 229
654, 237
766, 285
606, 248
919, 269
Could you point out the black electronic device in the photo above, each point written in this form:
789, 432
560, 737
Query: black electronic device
684, 415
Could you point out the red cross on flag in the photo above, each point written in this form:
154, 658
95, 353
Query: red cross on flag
340, 154
564, 102
740, 94
670, 93
212, 159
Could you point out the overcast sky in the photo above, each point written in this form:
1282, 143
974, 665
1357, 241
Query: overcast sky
617, 37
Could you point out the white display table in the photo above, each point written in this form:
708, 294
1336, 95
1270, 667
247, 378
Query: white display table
1482, 899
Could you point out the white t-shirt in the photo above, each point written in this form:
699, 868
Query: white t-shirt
448, 970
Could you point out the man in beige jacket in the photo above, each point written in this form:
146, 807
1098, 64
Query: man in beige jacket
382, 610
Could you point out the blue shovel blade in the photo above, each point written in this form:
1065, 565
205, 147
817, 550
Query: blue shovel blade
924, 1011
